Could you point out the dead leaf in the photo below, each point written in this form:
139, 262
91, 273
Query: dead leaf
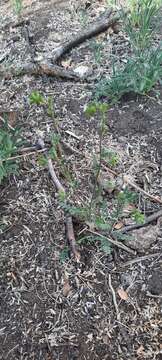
10, 116
128, 209
118, 225
122, 294
106, 339
140, 350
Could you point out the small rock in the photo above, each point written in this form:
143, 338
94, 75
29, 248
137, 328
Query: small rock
143, 238
83, 71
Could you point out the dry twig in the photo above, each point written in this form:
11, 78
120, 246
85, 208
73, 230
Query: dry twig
139, 259
114, 299
136, 187
114, 242
148, 220
69, 223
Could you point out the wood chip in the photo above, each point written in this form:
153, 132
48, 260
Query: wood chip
122, 294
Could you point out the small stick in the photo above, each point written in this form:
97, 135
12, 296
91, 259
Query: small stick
60, 188
68, 132
114, 299
148, 220
152, 197
25, 154
153, 296
71, 237
139, 259
114, 242
54, 177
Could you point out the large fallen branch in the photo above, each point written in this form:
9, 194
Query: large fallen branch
49, 67
44, 68
69, 223
99, 27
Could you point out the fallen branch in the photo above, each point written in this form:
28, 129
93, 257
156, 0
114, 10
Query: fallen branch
114, 242
96, 29
69, 223
23, 155
136, 187
44, 68
50, 68
139, 259
148, 220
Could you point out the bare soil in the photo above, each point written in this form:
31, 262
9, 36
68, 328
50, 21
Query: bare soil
54, 308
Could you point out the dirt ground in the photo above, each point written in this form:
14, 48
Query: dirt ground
52, 308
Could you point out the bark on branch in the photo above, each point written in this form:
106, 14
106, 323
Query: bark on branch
44, 68
96, 29
49, 67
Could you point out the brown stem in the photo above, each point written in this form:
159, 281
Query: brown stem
69, 222
71, 237
114, 242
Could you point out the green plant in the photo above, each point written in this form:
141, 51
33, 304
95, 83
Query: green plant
96, 48
138, 217
36, 98
10, 141
110, 156
18, 5
104, 244
138, 23
138, 76
91, 110
143, 69
64, 255
105, 220
83, 17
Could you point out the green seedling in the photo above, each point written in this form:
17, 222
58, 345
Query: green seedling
17, 6
64, 255
139, 22
100, 109
42, 160
138, 217
36, 98
97, 49
110, 157
83, 17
